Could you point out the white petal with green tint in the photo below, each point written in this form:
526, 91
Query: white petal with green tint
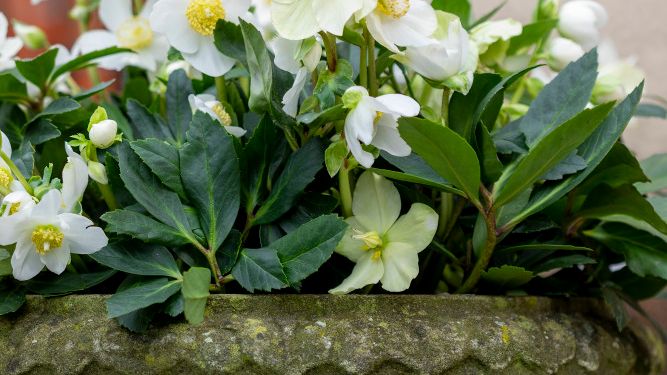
401, 266
376, 204
367, 271
416, 228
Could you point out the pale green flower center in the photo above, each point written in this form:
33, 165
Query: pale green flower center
203, 15
222, 114
47, 238
5, 177
135, 34
394, 8
372, 242
14, 208
351, 98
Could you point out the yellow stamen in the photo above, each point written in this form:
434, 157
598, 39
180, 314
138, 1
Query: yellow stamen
14, 208
5, 177
377, 255
394, 8
371, 240
135, 34
47, 238
222, 114
203, 15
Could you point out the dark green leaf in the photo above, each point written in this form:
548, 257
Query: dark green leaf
179, 113
85, 60
330, 84
196, 282
563, 262
619, 167
303, 251
532, 34
548, 153
38, 69
573, 163
507, 277
24, 158
140, 295
41, 131
311, 206
211, 177
85, 94
138, 321
146, 124
11, 300
57, 285
58, 107
228, 254
655, 168
540, 247
561, 99
12, 89
461, 8
466, 110
617, 306
651, 110
260, 66
139, 259
259, 269
491, 167
509, 139
142, 227
297, 175
415, 170
229, 40
446, 152
163, 160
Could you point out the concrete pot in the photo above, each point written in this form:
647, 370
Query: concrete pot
307, 334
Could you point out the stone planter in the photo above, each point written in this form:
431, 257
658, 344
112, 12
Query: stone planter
291, 334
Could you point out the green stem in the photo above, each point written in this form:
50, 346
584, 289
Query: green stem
345, 189
105, 189
446, 209
138, 6
487, 252
291, 140
444, 112
221, 88
213, 263
330, 46
363, 66
372, 68
17, 173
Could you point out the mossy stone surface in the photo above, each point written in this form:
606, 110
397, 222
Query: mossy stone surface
292, 334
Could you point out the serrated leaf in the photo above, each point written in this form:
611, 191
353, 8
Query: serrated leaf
146, 124
259, 269
179, 113
260, 67
37, 70
58, 285
563, 262
229, 40
573, 163
11, 300
141, 295
142, 227
85, 60
163, 160
139, 259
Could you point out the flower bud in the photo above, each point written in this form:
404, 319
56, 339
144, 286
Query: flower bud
98, 172
103, 133
32, 36
581, 21
547, 9
562, 52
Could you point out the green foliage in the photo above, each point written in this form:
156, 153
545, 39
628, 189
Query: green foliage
196, 282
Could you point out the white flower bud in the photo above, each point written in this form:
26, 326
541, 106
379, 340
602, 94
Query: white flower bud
562, 52
581, 21
98, 172
32, 36
103, 133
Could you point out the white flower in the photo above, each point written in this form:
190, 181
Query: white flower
9, 47
616, 81
562, 52
128, 31
299, 58
581, 21
7, 180
103, 134
46, 237
374, 121
262, 16
32, 36
492, 39
209, 105
384, 247
189, 26
451, 59
12, 209
301, 19
75, 179
399, 22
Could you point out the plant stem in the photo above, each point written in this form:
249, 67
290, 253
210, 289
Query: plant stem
293, 144
330, 46
487, 252
363, 66
138, 6
444, 112
105, 189
221, 88
16, 172
345, 189
446, 209
213, 263
372, 68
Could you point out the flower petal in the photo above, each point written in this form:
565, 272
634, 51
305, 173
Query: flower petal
114, 12
292, 96
349, 247
168, 18
57, 260
81, 236
415, 229
388, 138
6, 146
294, 19
49, 207
234, 9
26, 263
376, 203
209, 60
361, 119
363, 157
333, 15
10, 227
367, 271
75, 181
400, 105
401, 266
236, 131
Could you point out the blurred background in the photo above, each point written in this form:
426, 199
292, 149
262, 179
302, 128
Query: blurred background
637, 28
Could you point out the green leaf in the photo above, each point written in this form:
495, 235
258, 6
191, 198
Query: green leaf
618, 168
41, 131
260, 67
38, 69
491, 167
617, 305
259, 269
163, 160
539, 247
655, 168
644, 253
142, 227
58, 285
303, 251
548, 153
561, 99
211, 177
332, 84
415, 170
532, 34
334, 157
179, 113
146, 124
446, 152
58, 107
310, 207
489, 14
596, 147
461, 8
315, 120
228, 254
507, 277
140, 295
146, 188
12, 89
24, 158
573, 163
85, 94
651, 110
138, 321
196, 282
5, 263
138, 259
466, 110
563, 262
85, 60
229, 40
300, 171
11, 300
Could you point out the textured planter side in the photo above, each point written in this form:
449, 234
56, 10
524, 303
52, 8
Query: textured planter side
290, 334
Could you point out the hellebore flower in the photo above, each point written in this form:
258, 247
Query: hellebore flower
302, 19
581, 21
209, 105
